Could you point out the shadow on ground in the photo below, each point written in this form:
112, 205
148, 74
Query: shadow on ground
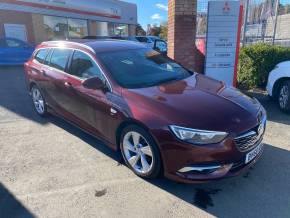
14, 96
261, 192
271, 106
10, 206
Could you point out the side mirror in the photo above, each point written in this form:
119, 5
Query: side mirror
160, 46
94, 83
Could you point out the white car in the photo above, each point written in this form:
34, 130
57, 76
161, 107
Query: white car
278, 86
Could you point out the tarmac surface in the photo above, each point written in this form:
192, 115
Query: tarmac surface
49, 168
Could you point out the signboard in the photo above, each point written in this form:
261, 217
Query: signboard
223, 40
90, 7
17, 31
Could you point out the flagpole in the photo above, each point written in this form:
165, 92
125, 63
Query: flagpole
275, 24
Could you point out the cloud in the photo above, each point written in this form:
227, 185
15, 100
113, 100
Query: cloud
162, 6
156, 17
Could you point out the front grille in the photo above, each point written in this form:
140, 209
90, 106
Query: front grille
250, 139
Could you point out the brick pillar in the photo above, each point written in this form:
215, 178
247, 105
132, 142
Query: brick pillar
181, 34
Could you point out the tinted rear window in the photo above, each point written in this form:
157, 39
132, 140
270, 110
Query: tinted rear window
41, 55
59, 58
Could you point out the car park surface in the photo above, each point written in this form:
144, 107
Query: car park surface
49, 168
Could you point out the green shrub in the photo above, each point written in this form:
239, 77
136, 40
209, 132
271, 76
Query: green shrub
256, 62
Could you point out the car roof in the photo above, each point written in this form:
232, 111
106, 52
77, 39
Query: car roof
97, 45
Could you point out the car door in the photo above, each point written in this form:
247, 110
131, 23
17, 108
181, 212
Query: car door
16, 51
90, 108
36, 67
54, 78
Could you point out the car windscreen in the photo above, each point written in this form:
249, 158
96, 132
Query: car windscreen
138, 68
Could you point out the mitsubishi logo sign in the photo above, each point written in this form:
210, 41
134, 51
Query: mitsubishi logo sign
226, 7
223, 40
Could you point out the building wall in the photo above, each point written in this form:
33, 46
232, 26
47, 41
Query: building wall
38, 30
283, 26
9, 17
35, 26
132, 30
104, 18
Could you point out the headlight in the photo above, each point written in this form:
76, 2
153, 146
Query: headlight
196, 136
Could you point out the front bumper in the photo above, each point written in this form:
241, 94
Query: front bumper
211, 162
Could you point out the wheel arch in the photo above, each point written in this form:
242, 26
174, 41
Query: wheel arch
31, 84
126, 123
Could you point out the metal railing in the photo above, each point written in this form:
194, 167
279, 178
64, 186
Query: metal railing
265, 21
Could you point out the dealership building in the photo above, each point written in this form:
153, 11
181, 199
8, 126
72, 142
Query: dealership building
35, 21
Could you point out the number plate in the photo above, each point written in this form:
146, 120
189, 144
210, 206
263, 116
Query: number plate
251, 155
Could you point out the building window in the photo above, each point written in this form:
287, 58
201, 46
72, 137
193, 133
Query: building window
116, 29
121, 30
55, 27
64, 28
77, 28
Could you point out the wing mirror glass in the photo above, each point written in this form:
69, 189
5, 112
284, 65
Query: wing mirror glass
160, 46
95, 83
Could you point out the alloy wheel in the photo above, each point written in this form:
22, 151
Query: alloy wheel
38, 101
284, 96
138, 152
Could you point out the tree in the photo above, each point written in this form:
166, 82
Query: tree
139, 30
164, 30
155, 30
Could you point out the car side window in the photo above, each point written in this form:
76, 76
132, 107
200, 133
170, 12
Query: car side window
48, 56
14, 43
59, 58
84, 67
41, 55
142, 39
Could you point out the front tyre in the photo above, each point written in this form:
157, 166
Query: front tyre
140, 152
38, 101
284, 96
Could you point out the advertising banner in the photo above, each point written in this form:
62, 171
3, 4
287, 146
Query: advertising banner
223, 40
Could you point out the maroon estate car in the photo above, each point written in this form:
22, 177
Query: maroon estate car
163, 118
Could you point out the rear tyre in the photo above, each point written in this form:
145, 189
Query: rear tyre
38, 101
140, 152
284, 96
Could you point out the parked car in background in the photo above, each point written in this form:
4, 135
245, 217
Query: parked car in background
154, 42
278, 86
163, 118
14, 51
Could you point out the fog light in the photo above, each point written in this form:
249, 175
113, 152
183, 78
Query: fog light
206, 169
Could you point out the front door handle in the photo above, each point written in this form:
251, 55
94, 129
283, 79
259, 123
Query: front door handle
43, 72
68, 84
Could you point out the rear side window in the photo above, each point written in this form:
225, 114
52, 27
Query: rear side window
142, 39
41, 55
59, 58
11, 43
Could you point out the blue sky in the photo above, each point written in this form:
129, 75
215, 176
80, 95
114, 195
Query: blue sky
151, 11
155, 11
